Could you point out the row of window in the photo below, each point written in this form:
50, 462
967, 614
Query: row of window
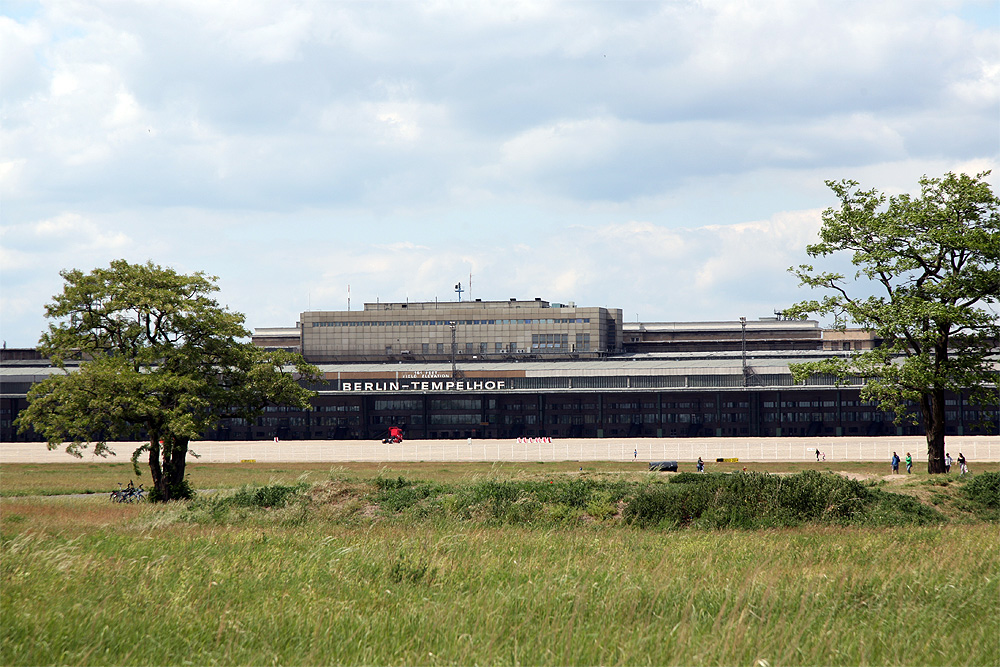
591, 418
432, 323
740, 419
560, 342
538, 342
820, 404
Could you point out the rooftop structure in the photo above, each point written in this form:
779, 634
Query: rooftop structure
767, 333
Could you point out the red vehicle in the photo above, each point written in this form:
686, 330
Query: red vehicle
395, 435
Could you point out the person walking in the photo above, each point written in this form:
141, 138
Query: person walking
947, 462
701, 465
895, 463
909, 463
635, 454
963, 465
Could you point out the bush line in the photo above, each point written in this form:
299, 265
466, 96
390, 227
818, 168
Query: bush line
743, 500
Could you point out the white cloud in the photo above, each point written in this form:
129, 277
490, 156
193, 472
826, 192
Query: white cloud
59, 238
667, 158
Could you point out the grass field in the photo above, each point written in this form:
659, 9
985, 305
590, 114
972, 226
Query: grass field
24, 479
335, 578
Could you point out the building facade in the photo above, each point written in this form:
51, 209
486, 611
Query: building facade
530, 368
684, 395
470, 330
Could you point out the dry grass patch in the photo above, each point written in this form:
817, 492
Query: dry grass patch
66, 514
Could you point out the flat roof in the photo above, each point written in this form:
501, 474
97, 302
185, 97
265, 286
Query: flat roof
734, 325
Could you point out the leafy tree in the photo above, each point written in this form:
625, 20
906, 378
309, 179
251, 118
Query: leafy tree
157, 357
933, 262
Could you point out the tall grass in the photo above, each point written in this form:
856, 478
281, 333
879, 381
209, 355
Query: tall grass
545, 571
456, 593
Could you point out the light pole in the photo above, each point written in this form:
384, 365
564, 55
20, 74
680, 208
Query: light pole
743, 327
454, 346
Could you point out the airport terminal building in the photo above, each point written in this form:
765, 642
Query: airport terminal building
470, 330
508, 369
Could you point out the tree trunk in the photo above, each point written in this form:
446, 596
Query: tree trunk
178, 462
167, 463
155, 471
932, 407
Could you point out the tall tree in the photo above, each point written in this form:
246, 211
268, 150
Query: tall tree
933, 263
157, 356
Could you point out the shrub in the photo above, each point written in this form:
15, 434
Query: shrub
216, 508
982, 495
489, 500
271, 495
398, 498
387, 483
601, 505
666, 506
759, 500
182, 490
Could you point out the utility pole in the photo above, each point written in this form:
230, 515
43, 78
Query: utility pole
743, 327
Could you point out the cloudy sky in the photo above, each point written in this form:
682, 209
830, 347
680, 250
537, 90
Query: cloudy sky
666, 158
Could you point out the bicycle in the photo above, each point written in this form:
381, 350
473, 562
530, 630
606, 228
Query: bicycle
129, 494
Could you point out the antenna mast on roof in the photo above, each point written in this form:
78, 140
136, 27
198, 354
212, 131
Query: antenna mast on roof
458, 288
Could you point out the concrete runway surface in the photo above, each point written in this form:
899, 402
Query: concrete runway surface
975, 448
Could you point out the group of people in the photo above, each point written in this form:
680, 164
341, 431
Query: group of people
962, 463
895, 463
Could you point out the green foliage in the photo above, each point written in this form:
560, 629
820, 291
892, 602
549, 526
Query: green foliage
271, 495
535, 501
668, 506
181, 490
601, 505
158, 358
491, 500
894, 509
216, 508
396, 495
697, 477
739, 500
935, 261
758, 500
982, 494
384, 483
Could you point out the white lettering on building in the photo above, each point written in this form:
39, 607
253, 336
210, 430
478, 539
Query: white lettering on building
424, 385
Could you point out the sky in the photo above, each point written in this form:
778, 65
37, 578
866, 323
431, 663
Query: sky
665, 158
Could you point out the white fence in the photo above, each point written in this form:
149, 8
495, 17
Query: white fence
975, 448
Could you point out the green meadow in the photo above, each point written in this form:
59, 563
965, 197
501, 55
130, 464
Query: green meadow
533, 564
